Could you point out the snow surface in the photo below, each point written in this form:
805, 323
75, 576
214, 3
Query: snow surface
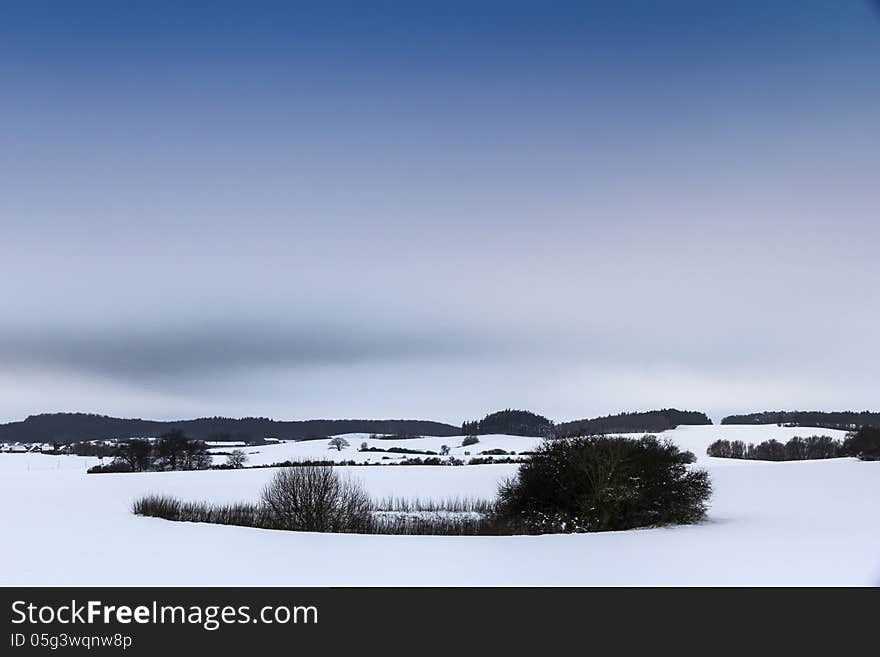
320, 450
796, 523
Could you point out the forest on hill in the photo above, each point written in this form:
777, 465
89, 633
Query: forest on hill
75, 427
647, 422
846, 420
511, 422
526, 423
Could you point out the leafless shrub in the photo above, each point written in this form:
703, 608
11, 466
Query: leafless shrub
316, 498
236, 459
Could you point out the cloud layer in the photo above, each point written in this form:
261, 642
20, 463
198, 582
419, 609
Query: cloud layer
434, 213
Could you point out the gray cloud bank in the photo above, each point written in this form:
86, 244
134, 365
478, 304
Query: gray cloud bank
659, 221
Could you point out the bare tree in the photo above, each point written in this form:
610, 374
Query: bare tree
236, 459
137, 454
338, 442
444, 450
195, 456
316, 498
170, 449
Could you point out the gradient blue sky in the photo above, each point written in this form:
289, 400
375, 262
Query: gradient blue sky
438, 209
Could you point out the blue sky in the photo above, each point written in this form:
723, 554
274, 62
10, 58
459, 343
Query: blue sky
438, 209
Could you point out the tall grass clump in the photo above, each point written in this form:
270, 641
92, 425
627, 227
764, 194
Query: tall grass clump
170, 508
454, 516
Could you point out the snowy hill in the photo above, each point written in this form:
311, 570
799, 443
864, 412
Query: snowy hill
794, 523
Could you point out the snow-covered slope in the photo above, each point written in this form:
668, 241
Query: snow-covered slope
320, 450
813, 522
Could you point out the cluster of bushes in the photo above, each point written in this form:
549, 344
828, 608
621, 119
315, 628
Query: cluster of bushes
431, 460
481, 460
398, 450
173, 451
863, 444
796, 449
297, 464
587, 484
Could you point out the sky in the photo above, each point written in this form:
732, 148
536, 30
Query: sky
438, 209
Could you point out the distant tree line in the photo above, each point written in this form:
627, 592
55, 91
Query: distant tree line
75, 427
647, 422
173, 451
844, 420
863, 444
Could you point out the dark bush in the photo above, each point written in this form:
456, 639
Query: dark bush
469, 440
599, 483
865, 444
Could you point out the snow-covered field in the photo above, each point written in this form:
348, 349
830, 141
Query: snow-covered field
797, 523
319, 449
